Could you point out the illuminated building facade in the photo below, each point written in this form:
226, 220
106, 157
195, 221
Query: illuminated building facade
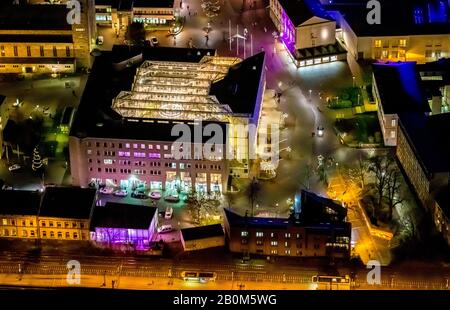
62, 213
397, 89
4, 116
37, 38
422, 35
319, 230
441, 212
117, 224
130, 143
307, 31
119, 14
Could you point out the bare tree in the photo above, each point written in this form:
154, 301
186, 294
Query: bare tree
196, 205
361, 169
393, 190
381, 167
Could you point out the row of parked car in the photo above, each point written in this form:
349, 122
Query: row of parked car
140, 194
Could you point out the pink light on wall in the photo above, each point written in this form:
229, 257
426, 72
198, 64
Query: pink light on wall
139, 154
124, 154
154, 155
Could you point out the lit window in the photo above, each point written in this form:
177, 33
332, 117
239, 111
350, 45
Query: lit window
287, 235
127, 145
244, 233
107, 161
158, 147
259, 234
392, 134
154, 155
150, 147
402, 42
274, 243
143, 146
393, 123
135, 146
166, 147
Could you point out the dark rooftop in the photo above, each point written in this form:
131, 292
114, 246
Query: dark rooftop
68, 202
313, 208
428, 136
202, 232
128, 4
119, 215
416, 16
2, 99
14, 202
239, 88
153, 3
400, 89
33, 17
299, 11
36, 38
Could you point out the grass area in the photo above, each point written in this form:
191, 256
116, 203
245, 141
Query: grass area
364, 128
347, 98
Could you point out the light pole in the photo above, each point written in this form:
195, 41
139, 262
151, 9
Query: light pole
310, 94
353, 77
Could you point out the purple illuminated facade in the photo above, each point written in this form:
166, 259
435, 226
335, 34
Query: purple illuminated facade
116, 225
287, 34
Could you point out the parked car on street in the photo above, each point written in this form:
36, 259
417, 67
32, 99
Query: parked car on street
14, 167
107, 190
165, 229
174, 197
139, 194
121, 193
155, 195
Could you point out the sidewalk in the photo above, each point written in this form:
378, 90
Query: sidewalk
141, 283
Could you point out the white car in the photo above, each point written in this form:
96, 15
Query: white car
172, 198
121, 193
165, 229
320, 131
107, 190
155, 195
14, 167
169, 213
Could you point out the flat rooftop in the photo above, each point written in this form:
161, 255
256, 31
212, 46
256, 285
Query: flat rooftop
418, 17
400, 87
202, 232
16, 202
120, 215
68, 202
33, 17
299, 11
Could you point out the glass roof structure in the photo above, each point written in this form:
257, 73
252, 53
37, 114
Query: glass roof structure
177, 90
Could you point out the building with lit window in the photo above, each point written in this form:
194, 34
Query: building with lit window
37, 38
423, 153
441, 212
397, 88
117, 225
118, 14
319, 229
123, 131
62, 213
65, 213
18, 214
435, 78
4, 116
409, 30
307, 31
